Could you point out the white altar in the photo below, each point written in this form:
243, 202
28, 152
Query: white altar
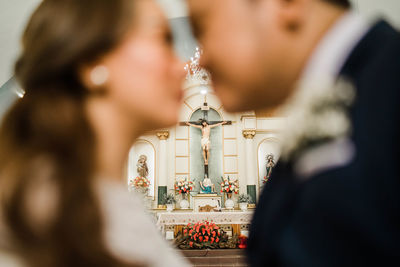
172, 222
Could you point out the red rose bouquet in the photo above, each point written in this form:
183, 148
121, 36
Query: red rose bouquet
202, 234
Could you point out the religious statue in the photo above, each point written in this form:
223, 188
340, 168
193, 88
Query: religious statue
207, 187
205, 136
270, 165
142, 168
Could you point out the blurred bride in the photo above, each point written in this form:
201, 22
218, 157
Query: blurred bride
97, 75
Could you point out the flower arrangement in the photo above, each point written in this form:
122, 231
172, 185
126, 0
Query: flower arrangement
205, 235
139, 182
184, 186
244, 198
169, 199
242, 242
229, 186
202, 234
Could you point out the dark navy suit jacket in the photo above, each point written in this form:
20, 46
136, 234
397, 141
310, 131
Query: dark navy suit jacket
348, 216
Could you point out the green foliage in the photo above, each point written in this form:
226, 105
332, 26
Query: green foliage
244, 198
169, 199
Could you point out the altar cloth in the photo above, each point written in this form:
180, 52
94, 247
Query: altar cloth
183, 218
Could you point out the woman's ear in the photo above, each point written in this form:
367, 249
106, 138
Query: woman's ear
94, 77
292, 13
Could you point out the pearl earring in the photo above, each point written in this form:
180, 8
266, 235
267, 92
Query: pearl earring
99, 75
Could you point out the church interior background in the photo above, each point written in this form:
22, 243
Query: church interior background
244, 149
242, 152
238, 150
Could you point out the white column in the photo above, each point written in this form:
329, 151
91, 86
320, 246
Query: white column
163, 169
163, 165
250, 170
250, 163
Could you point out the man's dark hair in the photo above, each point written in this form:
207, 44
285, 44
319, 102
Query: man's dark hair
342, 3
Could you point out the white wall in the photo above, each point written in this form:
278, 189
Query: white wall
268, 145
13, 17
143, 147
389, 9
174, 8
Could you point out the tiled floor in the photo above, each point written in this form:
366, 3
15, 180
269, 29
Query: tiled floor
216, 258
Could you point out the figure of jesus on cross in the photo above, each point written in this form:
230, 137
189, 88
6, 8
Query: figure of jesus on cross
205, 126
205, 136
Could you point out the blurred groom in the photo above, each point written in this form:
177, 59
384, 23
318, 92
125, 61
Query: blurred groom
337, 202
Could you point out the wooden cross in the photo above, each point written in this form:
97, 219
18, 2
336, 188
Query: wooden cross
205, 127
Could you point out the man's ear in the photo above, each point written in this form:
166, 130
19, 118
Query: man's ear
292, 13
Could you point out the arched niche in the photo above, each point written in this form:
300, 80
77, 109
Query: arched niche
266, 147
215, 167
143, 147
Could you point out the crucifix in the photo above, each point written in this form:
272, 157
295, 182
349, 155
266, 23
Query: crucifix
205, 126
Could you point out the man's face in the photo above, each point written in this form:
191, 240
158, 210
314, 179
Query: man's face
245, 49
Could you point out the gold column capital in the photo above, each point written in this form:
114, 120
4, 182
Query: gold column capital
163, 135
249, 134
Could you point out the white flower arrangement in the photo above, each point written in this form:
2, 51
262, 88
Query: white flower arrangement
316, 112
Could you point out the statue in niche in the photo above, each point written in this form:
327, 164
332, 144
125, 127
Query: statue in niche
270, 166
142, 168
205, 136
206, 187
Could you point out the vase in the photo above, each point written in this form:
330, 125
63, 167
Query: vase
229, 204
170, 207
243, 206
184, 203
141, 190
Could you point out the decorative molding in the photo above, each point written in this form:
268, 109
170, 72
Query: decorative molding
249, 134
186, 103
274, 131
206, 208
248, 116
163, 135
